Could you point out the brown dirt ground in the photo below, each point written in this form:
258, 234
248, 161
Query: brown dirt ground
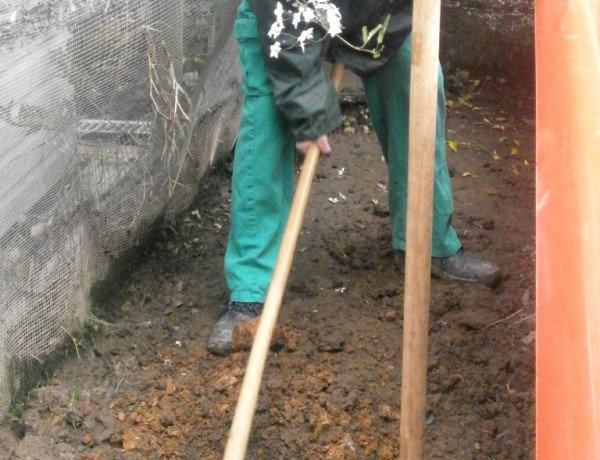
141, 385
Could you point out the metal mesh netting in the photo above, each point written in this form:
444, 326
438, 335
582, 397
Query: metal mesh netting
110, 114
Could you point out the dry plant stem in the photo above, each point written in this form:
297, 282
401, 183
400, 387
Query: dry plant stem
512, 315
76, 342
167, 101
244, 413
422, 126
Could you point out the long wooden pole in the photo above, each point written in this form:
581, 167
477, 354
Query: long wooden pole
244, 413
423, 102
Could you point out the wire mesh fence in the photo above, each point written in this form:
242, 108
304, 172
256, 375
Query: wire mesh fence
110, 114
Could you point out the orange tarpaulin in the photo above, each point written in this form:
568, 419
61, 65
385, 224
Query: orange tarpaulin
568, 229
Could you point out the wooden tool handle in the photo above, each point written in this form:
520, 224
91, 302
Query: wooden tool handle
244, 413
421, 152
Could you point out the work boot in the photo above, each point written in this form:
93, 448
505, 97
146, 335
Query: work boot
233, 313
464, 267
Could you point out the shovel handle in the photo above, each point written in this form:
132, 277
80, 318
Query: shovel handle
244, 413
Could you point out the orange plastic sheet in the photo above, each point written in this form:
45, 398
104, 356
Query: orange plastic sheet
568, 229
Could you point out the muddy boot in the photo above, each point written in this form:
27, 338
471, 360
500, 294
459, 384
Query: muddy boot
466, 268
233, 313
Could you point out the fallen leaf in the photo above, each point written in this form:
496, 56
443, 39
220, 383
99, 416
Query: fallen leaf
514, 151
174, 304
495, 155
453, 146
126, 305
465, 100
529, 338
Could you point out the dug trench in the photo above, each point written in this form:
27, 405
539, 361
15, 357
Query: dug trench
143, 386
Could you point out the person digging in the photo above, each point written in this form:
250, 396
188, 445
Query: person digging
289, 103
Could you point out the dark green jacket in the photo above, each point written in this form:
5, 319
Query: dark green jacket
302, 91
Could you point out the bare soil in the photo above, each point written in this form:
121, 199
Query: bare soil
141, 384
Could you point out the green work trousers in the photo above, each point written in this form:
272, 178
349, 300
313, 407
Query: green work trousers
388, 96
262, 184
